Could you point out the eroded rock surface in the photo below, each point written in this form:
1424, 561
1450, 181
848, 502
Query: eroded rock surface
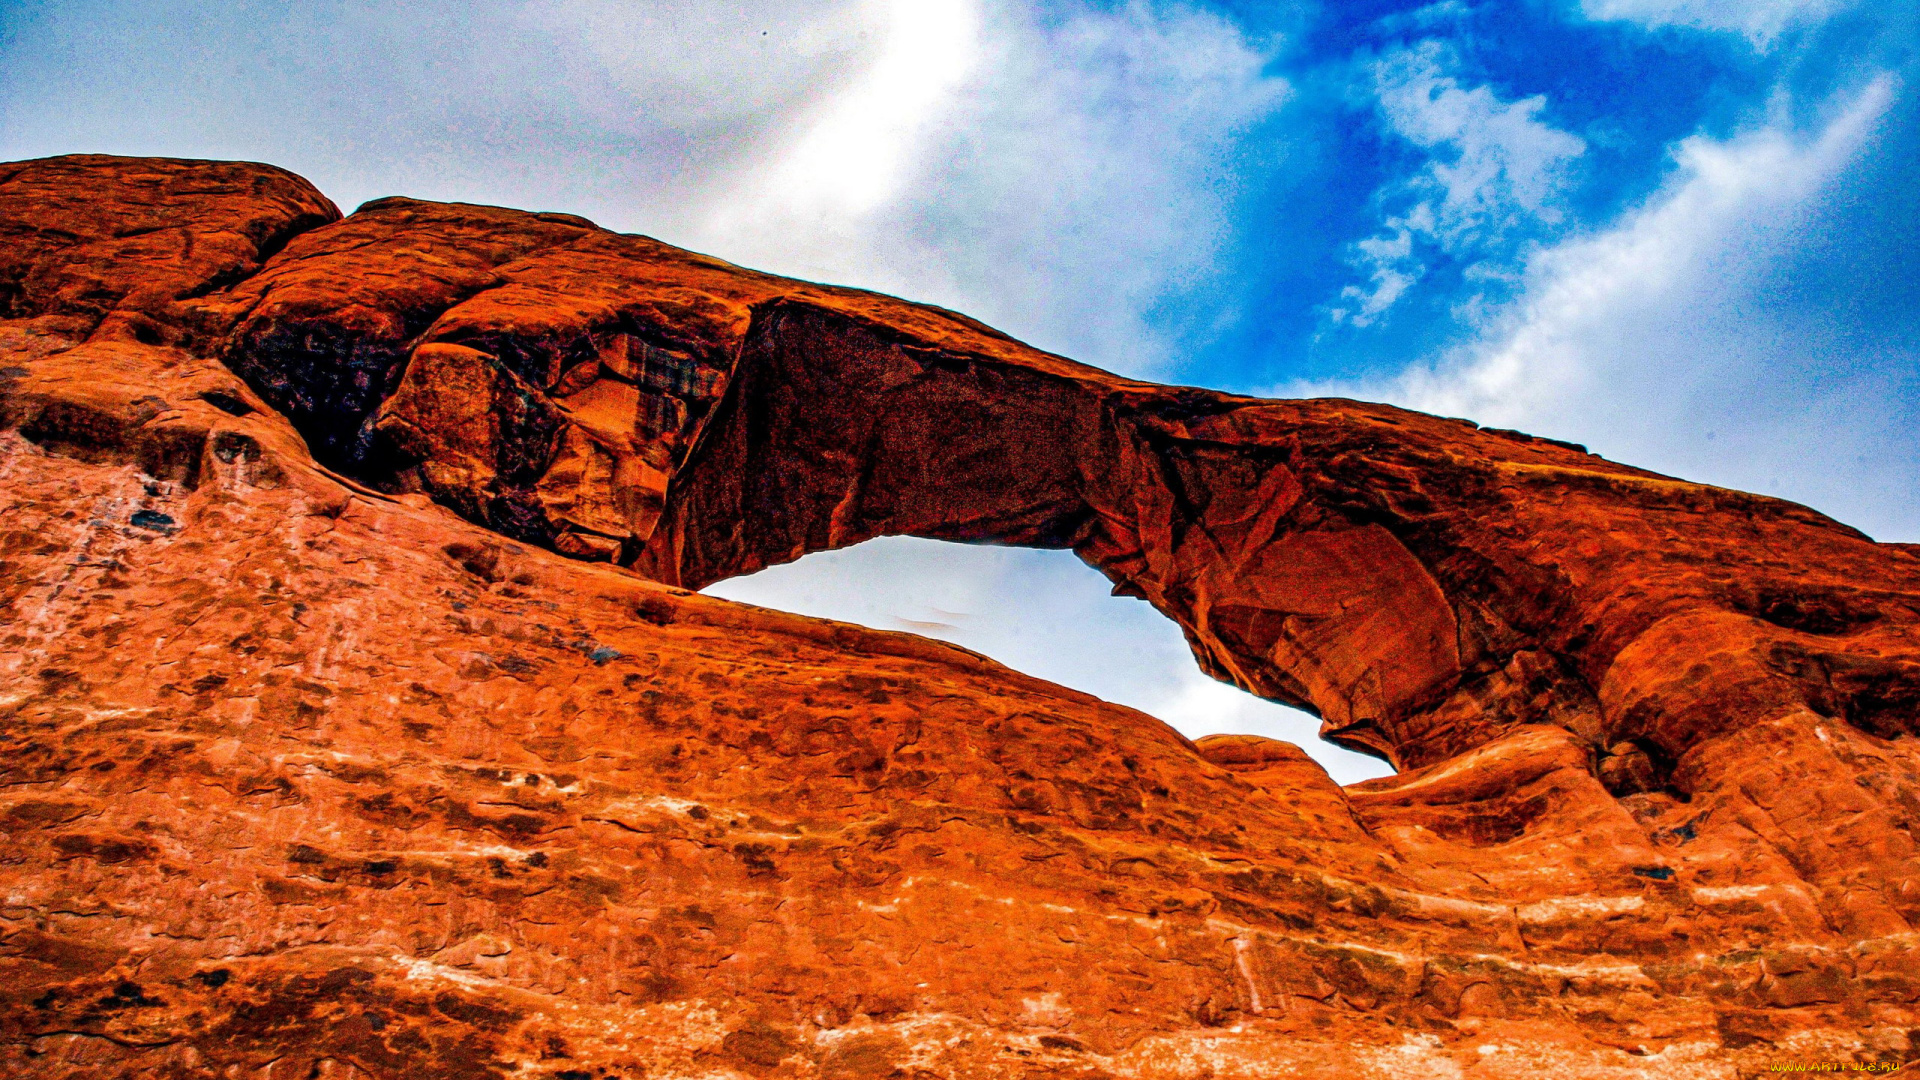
358, 720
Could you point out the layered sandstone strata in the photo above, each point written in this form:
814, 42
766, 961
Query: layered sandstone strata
358, 717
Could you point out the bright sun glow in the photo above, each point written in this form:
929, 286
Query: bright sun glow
853, 154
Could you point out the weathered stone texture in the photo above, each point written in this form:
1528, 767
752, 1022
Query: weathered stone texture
356, 720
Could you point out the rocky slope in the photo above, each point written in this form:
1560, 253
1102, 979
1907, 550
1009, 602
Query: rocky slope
358, 720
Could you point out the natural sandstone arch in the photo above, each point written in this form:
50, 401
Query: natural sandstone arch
1421, 584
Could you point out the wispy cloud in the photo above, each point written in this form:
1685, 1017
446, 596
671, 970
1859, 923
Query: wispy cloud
1564, 335
850, 156
1651, 339
701, 66
1495, 174
1761, 22
1068, 175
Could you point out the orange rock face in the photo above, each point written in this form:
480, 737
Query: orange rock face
357, 720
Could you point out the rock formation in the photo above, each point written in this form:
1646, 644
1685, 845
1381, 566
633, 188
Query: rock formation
358, 720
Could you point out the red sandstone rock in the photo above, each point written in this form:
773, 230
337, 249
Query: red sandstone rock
311, 771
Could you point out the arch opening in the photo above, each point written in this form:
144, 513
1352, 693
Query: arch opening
1041, 612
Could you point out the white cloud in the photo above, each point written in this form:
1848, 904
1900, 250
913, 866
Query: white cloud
1504, 159
1496, 175
1761, 22
701, 65
1391, 271
1041, 612
1653, 341
1565, 335
1076, 173
853, 153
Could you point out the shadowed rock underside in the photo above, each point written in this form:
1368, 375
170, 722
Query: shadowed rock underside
357, 719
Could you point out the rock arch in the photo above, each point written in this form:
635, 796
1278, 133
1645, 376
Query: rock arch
1420, 583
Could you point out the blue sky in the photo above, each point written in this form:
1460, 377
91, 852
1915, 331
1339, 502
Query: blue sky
1683, 232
